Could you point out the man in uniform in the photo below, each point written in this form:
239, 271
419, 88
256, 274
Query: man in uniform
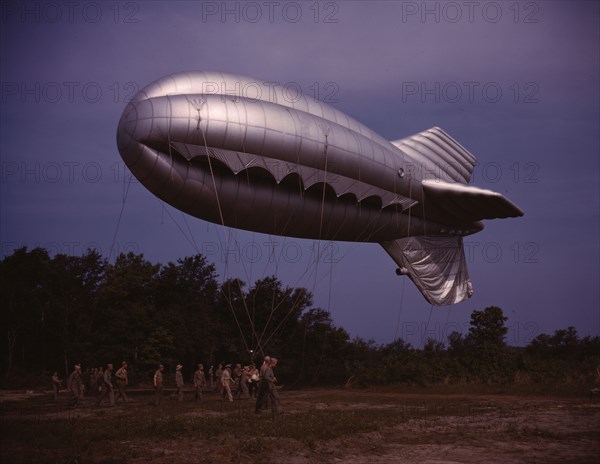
226, 382
263, 385
56, 384
253, 383
122, 381
211, 377
199, 380
243, 383
99, 380
272, 380
179, 382
236, 376
107, 387
74, 385
158, 384
218, 375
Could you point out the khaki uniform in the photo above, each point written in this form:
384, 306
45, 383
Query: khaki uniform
56, 385
158, 386
243, 385
75, 387
121, 381
199, 381
226, 384
218, 377
179, 384
107, 389
272, 392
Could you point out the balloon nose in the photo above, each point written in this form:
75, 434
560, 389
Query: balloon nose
135, 127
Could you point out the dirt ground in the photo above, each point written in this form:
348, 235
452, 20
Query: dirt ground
531, 430
506, 429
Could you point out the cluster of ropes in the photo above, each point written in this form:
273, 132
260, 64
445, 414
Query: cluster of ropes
258, 340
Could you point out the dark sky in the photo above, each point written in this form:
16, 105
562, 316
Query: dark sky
516, 83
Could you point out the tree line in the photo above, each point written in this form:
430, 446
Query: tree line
60, 310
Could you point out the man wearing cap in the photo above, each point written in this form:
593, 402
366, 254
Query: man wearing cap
56, 384
263, 386
122, 381
199, 380
107, 387
272, 380
236, 375
211, 377
74, 385
243, 383
179, 382
158, 384
226, 382
218, 379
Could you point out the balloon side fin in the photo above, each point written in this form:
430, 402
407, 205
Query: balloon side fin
436, 265
469, 203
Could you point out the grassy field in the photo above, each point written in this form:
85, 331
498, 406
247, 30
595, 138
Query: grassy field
359, 426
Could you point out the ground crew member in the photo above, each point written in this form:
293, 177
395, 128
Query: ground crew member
272, 380
263, 386
211, 377
158, 384
218, 375
236, 376
107, 387
226, 382
243, 383
199, 380
56, 384
74, 385
122, 381
179, 382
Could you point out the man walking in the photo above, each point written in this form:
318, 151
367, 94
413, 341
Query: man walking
272, 380
218, 375
107, 387
211, 377
226, 382
74, 385
263, 385
199, 380
122, 381
243, 383
179, 382
56, 384
158, 384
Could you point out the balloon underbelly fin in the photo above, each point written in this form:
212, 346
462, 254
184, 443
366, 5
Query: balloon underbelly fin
436, 265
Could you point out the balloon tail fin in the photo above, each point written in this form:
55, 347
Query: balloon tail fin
436, 265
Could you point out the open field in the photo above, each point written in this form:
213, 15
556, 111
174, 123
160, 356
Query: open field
318, 426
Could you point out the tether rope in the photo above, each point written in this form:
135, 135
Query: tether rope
124, 199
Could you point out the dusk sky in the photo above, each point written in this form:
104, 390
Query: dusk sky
516, 83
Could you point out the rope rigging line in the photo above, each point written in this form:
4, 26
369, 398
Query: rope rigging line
404, 280
295, 306
426, 326
190, 239
194, 244
431, 306
447, 317
198, 106
399, 309
309, 266
230, 303
212, 174
124, 199
318, 255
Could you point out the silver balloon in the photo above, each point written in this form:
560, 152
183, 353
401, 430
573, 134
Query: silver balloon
253, 155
